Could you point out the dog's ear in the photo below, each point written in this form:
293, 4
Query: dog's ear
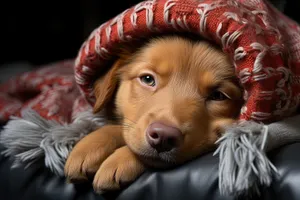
105, 87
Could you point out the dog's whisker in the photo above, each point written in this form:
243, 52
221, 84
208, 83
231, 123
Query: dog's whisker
131, 121
128, 126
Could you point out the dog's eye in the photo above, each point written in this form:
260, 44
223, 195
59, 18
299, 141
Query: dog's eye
148, 80
217, 96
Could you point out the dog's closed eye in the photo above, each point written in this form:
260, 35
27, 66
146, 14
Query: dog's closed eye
217, 95
225, 90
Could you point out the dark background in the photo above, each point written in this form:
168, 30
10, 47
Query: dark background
45, 31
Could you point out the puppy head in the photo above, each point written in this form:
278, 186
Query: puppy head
174, 97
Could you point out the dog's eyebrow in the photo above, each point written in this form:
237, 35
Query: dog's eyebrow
215, 86
158, 69
222, 81
227, 78
127, 59
139, 64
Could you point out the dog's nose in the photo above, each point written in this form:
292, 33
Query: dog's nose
162, 137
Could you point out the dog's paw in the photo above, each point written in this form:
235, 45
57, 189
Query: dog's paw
81, 166
88, 154
119, 169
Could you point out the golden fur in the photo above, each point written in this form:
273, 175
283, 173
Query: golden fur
195, 90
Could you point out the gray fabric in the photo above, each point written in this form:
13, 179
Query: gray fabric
32, 138
283, 132
244, 165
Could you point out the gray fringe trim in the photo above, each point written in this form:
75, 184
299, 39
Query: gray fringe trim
244, 166
30, 139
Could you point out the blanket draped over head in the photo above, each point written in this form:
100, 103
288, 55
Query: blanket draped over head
48, 110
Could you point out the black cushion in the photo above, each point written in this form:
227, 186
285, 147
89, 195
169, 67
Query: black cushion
194, 180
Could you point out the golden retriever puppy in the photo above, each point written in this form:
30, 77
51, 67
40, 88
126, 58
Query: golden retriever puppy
170, 99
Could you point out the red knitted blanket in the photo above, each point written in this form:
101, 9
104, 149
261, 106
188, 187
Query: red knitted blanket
263, 44
51, 91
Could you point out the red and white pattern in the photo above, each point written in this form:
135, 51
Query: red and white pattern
51, 91
264, 46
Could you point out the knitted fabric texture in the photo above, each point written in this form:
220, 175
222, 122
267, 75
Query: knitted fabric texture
51, 91
263, 44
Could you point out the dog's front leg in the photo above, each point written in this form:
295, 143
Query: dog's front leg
88, 154
118, 170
